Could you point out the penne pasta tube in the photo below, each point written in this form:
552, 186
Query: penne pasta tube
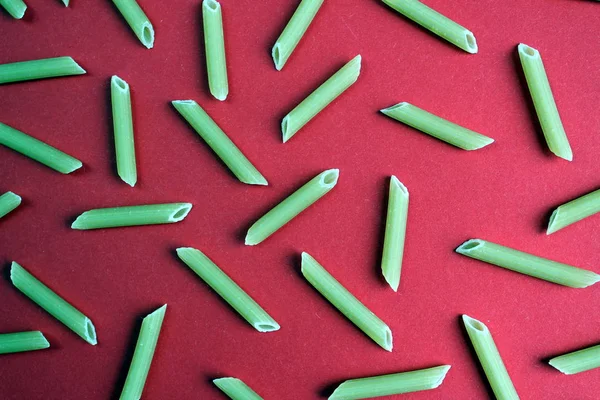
391, 384
8, 202
37, 150
236, 389
235, 296
437, 127
293, 31
137, 20
123, 130
293, 205
490, 359
53, 303
574, 211
346, 303
528, 264
22, 341
543, 101
214, 44
320, 98
149, 214
436, 23
39, 69
143, 354
395, 230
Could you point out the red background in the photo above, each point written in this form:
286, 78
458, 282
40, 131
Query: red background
502, 193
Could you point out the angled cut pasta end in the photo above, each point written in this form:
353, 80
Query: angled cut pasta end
79, 222
443, 371
527, 51
388, 342
147, 35
286, 131
266, 326
223, 383
469, 246
559, 364
396, 107
90, 332
553, 225
181, 212
470, 45
278, 58
473, 326
329, 178
66, 3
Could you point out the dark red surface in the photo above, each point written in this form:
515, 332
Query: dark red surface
502, 193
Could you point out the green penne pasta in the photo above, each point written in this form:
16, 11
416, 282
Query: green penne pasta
227, 289
574, 211
320, 98
436, 23
294, 30
293, 205
16, 8
577, 361
214, 44
543, 101
527, 264
437, 127
149, 214
66, 3
490, 359
22, 341
123, 130
346, 303
236, 389
8, 202
137, 20
143, 354
391, 384
395, 230
219, 142
37, 150
55, 305
39, 69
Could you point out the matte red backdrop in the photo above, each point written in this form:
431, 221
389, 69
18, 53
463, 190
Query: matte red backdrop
502, 193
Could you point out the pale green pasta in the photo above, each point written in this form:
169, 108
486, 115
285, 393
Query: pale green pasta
22, 341
123, 130
293, 31
37, 150
235, 296
528, 264
391, 384
8, 202
395, 230
437, 127
490, 359
346, 303
543, 101
320, 98
137, 20
39, 69
293, 205
214, 44
574, 211
66, 3
142, 355
53, 303
236, 389
219, 142
436, 23
16, 8
149, 214
577, 361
